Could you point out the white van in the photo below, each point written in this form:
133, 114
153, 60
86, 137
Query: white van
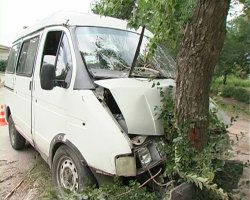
69, 94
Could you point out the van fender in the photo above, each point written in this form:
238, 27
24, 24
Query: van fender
59, 140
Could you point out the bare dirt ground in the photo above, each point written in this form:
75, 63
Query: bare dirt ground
16, 165
240, 133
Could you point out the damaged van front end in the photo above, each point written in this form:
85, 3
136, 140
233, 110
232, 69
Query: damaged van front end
127, 96
131, 103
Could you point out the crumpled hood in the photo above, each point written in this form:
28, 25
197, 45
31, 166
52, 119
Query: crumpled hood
137, 100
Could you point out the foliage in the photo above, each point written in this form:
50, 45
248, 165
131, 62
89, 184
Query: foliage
39, 178
114, 191
236, 88
232, 81
183, 160
239, 94
165, 19
230, 175
113, 9
246, 8
3, 64
235, 56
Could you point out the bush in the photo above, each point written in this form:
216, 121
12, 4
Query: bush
114, 191
232, 81
3, 64
235, 88
236, 93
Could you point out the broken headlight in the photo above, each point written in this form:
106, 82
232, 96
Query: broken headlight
147, 156
144, 156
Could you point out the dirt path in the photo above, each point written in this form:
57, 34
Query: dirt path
14, 165
240, 133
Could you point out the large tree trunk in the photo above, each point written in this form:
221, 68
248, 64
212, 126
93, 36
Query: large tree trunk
203, 40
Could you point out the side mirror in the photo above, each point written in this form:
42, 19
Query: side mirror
47, 76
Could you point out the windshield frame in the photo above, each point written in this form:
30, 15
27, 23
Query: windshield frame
95, 75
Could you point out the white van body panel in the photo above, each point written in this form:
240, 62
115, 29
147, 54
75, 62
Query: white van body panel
99, 134
9, 83
138, 94
10, 79
49, 106
22, 106
76, 114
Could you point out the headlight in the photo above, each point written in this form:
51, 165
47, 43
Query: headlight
144, 156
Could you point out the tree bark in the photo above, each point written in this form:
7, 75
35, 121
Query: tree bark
202, 43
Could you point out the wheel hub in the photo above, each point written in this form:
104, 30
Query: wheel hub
68, 175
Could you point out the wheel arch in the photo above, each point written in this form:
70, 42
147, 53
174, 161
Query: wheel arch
59, 140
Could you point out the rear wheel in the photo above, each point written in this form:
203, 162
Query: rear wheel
16, 139
68, 172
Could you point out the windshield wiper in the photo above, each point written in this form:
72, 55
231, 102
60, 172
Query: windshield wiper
137, 52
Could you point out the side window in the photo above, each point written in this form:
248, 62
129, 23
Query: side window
12, 59
63, 64
51, 47
57, 52
27, 57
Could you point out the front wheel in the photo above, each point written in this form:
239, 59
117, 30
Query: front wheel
68, 172
16, 139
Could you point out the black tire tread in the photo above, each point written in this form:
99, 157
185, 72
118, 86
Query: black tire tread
86, 178
19, 140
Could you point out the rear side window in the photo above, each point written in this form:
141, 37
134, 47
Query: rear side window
27, 57
12, 59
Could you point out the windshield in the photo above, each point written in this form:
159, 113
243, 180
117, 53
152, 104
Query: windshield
109, 53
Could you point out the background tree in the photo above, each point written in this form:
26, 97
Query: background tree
235, 56
203, 36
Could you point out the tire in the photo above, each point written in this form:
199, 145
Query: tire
16, 139
68, 172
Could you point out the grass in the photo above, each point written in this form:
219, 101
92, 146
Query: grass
236, 88
233, 81
40, 178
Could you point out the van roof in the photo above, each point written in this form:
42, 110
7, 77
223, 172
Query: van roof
80, 19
